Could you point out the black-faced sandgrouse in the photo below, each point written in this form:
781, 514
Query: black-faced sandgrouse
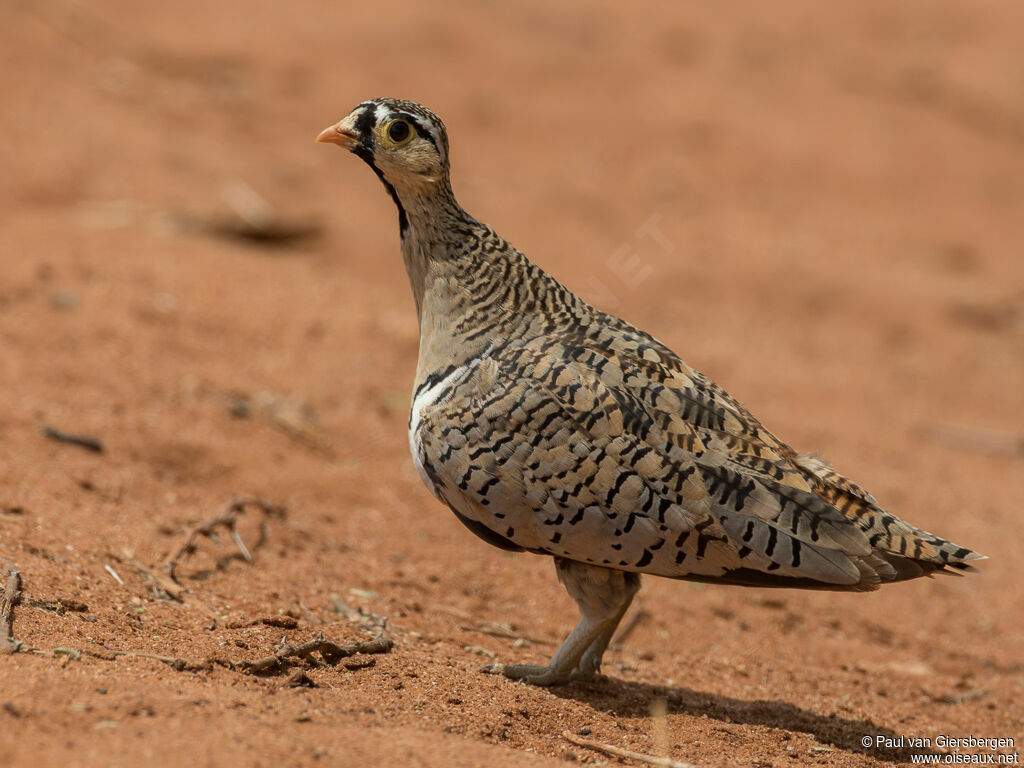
549, 426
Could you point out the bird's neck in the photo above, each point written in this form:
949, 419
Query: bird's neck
431, 222
471, 287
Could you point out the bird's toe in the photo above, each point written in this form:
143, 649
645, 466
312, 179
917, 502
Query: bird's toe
532, 674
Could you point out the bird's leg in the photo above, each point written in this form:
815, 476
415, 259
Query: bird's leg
603, 596
591, 661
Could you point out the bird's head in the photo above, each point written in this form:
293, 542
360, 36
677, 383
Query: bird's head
404, 142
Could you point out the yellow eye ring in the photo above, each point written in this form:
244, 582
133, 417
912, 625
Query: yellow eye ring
399, 132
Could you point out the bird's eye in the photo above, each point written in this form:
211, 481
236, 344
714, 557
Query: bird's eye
399, 131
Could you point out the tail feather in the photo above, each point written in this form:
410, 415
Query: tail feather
911, 551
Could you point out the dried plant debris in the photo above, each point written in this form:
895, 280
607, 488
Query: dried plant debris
281, 622
625, 754
164, 579
300, 679
60, 606
633, 619
227, 519
162, 585
255, 221
178, 664
11, 597
330, 653
319, 652
82, 441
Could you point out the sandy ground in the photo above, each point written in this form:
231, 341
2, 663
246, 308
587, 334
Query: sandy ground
817, 205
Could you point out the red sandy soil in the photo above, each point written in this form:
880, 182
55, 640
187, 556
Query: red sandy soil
817, 204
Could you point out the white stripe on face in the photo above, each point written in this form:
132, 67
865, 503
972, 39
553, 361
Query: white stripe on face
429, 126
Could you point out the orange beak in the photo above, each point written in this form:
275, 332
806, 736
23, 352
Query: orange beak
337, 135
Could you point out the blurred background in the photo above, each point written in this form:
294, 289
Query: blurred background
816, 191
818, 204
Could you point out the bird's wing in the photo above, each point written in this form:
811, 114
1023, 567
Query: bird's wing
620, 455
731, 431
908, 548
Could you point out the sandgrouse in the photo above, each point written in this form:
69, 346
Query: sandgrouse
551, 427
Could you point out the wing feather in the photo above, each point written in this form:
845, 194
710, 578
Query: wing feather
623, 456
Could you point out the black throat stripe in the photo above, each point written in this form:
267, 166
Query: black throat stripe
366, 155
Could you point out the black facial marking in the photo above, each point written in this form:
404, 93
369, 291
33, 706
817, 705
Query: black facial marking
364, 124
365, 154
423, 133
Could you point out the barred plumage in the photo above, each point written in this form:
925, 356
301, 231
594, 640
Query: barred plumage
549, 426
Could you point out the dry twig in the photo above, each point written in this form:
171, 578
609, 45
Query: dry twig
494, 629
108, 654
490, 628
181, 665
330, 653
358, 616
12, 594
227, 518
659, 726
626, 754
254, 220
114, 574
632, 621
60, 606
161, 583
82, 441
343, 609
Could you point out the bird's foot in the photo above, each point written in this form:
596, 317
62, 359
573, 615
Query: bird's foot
534, 674
603, 597
538, 674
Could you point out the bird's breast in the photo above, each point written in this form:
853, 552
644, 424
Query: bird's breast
428, 419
